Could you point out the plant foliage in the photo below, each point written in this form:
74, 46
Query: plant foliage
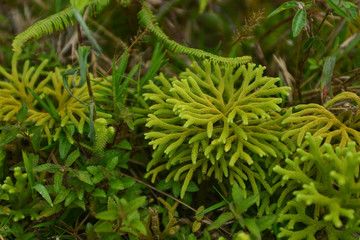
212, 121
325, 184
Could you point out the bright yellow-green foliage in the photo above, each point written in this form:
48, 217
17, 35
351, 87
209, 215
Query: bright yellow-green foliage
326, 186
336, 128
213, 121
13, 89
103, 135
15, 195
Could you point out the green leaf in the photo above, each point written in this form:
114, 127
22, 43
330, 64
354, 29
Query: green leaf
111, 164
99, 193
103, 227
266, 222
139, 226
163, 185
91, 122
21, 115
307, 44
124, 145
339, 10
325, 80
298, 22
176, 187
46, 167
243, 205
72, 158
64, 146
116, 184
284, 6
135, 204
70, 198
43, 192
84, 177
9, 137
36, 140
221, 220
58, 177
128, 182
237, 194
50, 211
120, 86
251, 225
29, 169
192, 187
53, 112
107, 215
63, 193
211, 208
353, 12
83, 52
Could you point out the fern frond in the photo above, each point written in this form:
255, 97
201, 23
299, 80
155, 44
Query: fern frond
55, 22
149, 21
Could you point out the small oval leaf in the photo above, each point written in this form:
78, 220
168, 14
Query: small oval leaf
298, 22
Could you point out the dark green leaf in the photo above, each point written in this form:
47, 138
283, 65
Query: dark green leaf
116, 184
139, 226
284, 6
221, 220
163, 185
99, 193
64, 145
265, 222
21, 115
103, 227
63, 193
9, 137
212, 208
192, 187
29, 168
251, 225
36, 140
135, 204
58, 177
176, 187
107, 215
128, 182
307, 44
124, 145
328, 70
84, 177
298, 22
91, 122
47, 212
243, 205
72, 158
70, 198
112, 164
43, 192
46, 167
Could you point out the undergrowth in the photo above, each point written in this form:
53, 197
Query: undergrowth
172, 120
